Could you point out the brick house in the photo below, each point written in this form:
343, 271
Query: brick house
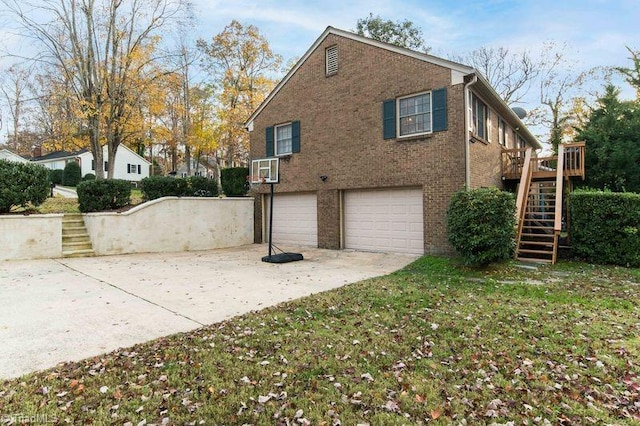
373, 140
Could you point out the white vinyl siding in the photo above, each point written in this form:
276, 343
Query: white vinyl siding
385, 220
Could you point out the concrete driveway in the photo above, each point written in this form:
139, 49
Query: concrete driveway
69, 309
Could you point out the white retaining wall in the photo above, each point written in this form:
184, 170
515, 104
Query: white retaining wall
31, 236
173, 224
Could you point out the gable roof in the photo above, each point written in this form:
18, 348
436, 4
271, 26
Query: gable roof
10, 154
58, 155
86, 151
484, 85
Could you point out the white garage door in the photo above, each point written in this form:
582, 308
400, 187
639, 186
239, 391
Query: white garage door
389, 220
295, 219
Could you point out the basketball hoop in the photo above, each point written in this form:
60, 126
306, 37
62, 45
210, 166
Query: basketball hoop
266, 170
254, 183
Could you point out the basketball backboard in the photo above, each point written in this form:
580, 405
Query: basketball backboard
264, 170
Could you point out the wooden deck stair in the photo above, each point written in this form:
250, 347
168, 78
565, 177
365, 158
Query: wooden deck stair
538, 240
540, 197
75, 239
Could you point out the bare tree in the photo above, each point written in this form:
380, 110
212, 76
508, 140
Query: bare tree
16, 93
102, 48
512, 74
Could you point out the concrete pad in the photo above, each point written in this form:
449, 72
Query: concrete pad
70, 309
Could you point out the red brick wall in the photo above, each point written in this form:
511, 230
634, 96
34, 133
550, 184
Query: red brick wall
341, 135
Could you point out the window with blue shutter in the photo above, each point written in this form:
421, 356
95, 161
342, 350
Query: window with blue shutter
389, 119
295, 136
269, 137
439, 99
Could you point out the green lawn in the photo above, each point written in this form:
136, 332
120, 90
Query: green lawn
59, 204
432, 343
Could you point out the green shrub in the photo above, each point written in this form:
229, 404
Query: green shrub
153, 187
103, 194
22, 184
55, 176
234, 181
605, 227
162, 186
72, 174
89, 176
481, 225
199, 186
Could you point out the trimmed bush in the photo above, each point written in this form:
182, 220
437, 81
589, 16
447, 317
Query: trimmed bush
55, 176
88, 176
72, 174
199, 186
481, 225
234, 181
22, 184
154, 187
103, 194
605, 227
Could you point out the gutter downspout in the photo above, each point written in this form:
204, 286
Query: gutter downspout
467, 134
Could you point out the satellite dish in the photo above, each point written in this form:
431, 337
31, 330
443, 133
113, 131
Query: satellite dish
520, 112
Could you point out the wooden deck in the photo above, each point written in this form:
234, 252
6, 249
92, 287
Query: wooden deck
539, 203
513, 161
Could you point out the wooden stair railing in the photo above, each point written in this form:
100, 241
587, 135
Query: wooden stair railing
557, 224
523, 194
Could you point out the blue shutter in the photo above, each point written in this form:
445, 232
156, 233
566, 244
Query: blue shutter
439, 103
389, 119
139, 169
295, 136
270, 148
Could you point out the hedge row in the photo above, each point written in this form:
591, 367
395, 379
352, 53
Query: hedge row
22, 184
103, 194
234, 181
481, 225
604, 227
161, 186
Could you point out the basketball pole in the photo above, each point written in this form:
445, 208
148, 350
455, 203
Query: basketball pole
271, 221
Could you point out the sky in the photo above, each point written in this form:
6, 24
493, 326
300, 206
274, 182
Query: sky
595, 31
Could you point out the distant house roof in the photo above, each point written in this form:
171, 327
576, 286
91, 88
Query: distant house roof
12, 156
482, 83
59, 155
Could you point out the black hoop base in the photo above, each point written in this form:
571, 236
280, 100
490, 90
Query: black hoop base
283, 258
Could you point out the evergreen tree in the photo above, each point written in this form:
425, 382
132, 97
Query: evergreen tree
612, 135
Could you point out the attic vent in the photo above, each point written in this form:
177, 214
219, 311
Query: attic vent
332, 60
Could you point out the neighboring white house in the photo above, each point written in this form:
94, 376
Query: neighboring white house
129, 165
5, 154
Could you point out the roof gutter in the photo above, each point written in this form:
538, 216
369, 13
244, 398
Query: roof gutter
467, 133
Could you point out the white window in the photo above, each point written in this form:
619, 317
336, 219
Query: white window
131, 168
502, 133
414, 114
283, 139
479, 118
331, 60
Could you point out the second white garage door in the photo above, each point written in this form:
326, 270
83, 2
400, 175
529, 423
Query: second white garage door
389, 220
295, 219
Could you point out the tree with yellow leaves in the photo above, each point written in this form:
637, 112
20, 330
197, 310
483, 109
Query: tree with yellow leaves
243, 67
101, 49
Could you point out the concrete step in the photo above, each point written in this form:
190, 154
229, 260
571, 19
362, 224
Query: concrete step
75, 238
78, 253
81, 245
74, 230
72, 222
